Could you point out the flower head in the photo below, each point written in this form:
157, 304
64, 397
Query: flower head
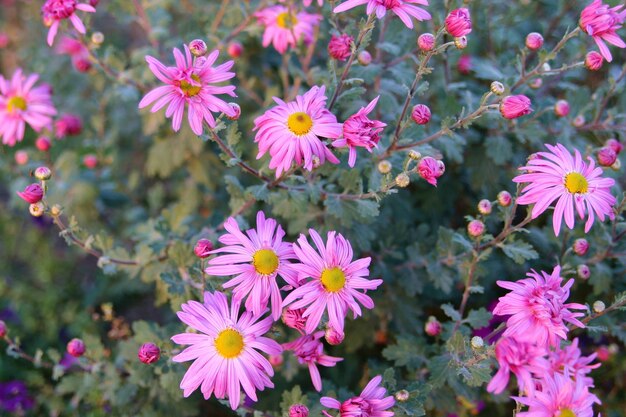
298, 410
534, 41
54, 11
593, 61
458, 22
426, 42
294, 319
339, 47
404, 9
192, 83
149, 353
430, 169
285, 28
556, 175
203, 248
31, 194
606, 156
372, 402
420, 114
225, 350
292, 131
513, 107
569, 361
68, 125
310, 351
561, 108
76, 51
601, 22
76, 348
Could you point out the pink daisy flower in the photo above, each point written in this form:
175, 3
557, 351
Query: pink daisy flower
293, 131
257, 258
284, 27
225, 351
556, 175
569, 361
404, 9
361, 131
372, 402
601, 22
335, 281
538, 309
21, 103
310, 351
54, 11
190, 82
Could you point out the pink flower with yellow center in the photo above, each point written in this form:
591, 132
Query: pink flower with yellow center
284, 27
310, 351
404, 9
372, 402
601, 22
54, 11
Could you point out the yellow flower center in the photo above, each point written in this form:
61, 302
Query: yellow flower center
286, 20
265, 261
15, 103
576, 183
229, 343
333, 279
566, 412
300, 123
189, 89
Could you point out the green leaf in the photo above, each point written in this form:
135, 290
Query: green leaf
478, 318
519, 251
451, 312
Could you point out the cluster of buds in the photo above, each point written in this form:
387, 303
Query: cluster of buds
607, 155
34, 193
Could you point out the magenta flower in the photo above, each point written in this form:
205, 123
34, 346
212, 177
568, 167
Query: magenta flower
430, 169
600, 21
426, 42
340, 47
512, 107
225, 350
361, 131
310, 351
334, 281
190, 83
293, 131
21, 103
556, 175
570, 362
149, 353
404, 9
538, 309
257, 258
284, 28
458, 22
32, 194
593, 61
464, 64
53, 11
372, 402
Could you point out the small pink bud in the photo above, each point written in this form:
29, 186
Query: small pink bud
68, 125
458, 22
294, 319
276, 360
3, 329
364, 58
426, 42
76, 348
464, 64
236, 109
94, 3
339, 47
432, 327
149, 353
615, 145
504, 198
90, 161
534, 41
82, 64
32, 194
197, 47
43, 144
203, 248
606, 156
475, 228
580, 247
421, 114
43, 173
583, 271
513, 107
561, 108
298, 410
535, 83
579, 121
4, 40
594, 61
460, 42
402, 395
484, 207
235, 49
21, 157
333, 337
430, 169
604, 354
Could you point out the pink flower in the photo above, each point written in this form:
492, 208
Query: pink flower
534, 41
149, 353
556, 175
339, 47
203, 248
432, 326
430, 169
421, 114
294, 319
43, 143
523, 358
458, 22
464, 64
561, 108
614, 144
606, 156
225, 350
601, 22
293, 131
333, 336
68, 125
21, 103
284, 28
359, 130
77, 52
198, 47
310, 351
570, 362
299, 410
580, 247
426, 42
190, 83
257, 258
76, 348
504, 198
372, 402
32, 194
538, 309
404, 9
90, 161
334, 281
53, 11
235, 49
593, 61
512, 107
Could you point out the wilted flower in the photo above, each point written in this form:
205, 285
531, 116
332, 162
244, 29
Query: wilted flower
339, 47
512, 107
310, 351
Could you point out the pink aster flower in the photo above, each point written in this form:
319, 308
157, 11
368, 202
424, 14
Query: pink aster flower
556, 175
334, 281
372, 402
458, 22
310, 351
569, 361
21, 103
257, 258
293, 131
523, 358
538, 309
361, 131
225, 350
284, 28
53, 11
190, 83
600, 21
404, 9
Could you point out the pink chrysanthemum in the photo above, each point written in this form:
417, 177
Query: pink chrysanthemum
404, 9
559, 396
360, 130
335, 281
20, 103
190, 83
53, 11
292, 131
556, 175
310, 351
538, 309
225, 351
569, 361
257, 258
372, 402
284, 27
601, 22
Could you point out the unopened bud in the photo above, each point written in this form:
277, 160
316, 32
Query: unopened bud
236, 111
460, 42
606, 156
3, 329
384, 167
76, 348
43, 144
475, 228
197, 47
235, 49
298, 410
56, 210
484, 207
616, 165
149, 353
534, 41
580, 247
432, 327
43, 173
535, 83
203, 248
402, 180
579, 121
477, 342
598, 306
364, 58
333, 337
414, 155
561, 108
276, 360
21, 157
504, 198
583, 271
402, 395
497, 88
426, 42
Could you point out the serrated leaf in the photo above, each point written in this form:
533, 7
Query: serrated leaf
519, 251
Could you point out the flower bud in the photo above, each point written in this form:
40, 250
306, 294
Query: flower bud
430, 169
43, 144
384, 167
504, 198
561, 108
603, 353
90, 161
4, 40
235, 49
276, 360
546, 67
37, 209
460, 42
32, 194
203, 248
606, 156
149, 353
333, 337
76, 348
298, 410
21, 157
198, 47
616, 165
364, 58
615, 145
432, 327
534, 41
477, 342
294, 319
484, 207
579, 121
598, 306
3, 329
68, 125
512, 107
458, 23
464, 64
475, 228
497, 88
421, 114
43, 173
594, 61
535, 83
583, 271
56, 210
426, 42
580, 247
236, 111
402, 180
414, 155
97, 38
81, 64
340, 47
402, 395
